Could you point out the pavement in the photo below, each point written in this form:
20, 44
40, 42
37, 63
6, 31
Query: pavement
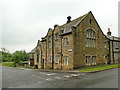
28, 78
71, 71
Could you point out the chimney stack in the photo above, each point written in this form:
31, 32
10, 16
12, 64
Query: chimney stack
69, 19
109, 32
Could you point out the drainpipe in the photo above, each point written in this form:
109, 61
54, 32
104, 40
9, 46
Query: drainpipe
61, 52
46, 52
113, 52
52, 50
109, 59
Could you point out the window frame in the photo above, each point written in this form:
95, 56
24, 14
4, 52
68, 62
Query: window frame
90, 38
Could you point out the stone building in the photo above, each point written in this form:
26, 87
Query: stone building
79, 42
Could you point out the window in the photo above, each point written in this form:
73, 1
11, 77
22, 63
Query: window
90, 38
87, 60
116, 44
93, 59
65, 60
37, 57
49, 59
91, 43
45, 61
57, 59
65, 42
86, 42
90, 21
49, 42
56, 40
105, 45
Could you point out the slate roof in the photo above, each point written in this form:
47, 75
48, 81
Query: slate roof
113, 37
67, 27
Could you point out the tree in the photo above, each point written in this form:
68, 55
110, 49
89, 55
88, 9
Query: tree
19, 57
6, 56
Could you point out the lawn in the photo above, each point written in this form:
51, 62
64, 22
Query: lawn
98, 67
9, 64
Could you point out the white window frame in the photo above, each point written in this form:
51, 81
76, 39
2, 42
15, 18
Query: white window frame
95, 60
57, 59
66, 60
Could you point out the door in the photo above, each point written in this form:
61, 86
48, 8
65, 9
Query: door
42, 63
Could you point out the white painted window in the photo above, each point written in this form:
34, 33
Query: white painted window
90, 38
65, 42
92, 59
57, 59
95, 59
65, 60
91, 42
87, 60
86, 42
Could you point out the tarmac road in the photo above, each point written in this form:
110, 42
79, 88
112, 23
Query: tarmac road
28, 78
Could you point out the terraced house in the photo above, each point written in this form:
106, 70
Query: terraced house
78, 42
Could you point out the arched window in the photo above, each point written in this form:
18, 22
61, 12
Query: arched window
90, 38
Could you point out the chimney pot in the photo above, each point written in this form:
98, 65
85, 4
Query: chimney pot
69, 19
109, 32
108, 29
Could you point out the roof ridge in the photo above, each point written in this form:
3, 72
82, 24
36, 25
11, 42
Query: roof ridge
77, 18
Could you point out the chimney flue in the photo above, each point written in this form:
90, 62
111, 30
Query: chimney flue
109, 32
69, 19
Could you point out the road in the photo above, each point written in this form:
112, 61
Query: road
28, 78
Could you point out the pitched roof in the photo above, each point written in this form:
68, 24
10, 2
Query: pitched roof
113, 38
67, 27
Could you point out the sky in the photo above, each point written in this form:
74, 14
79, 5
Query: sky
24, 22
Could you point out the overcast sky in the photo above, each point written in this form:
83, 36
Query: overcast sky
23, 22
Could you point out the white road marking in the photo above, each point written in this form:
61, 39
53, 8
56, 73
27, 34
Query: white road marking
66, 76
74, 75
11, 87
57, 77
42, 73
51, 74
37, 77
48, 79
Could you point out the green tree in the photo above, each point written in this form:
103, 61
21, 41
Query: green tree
19, 57
6, 55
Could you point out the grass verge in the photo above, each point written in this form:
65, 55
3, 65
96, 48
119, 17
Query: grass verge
9, 64
98, 68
